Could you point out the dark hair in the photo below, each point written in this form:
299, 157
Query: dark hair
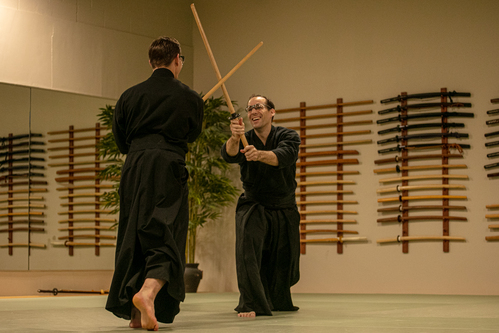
269, 103
163, 50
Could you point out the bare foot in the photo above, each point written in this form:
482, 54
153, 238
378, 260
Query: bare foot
146, 307
135, 321
251, 314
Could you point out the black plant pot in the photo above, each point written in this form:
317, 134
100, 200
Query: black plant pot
192, 276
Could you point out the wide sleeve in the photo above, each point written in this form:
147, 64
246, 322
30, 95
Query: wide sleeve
119, 127
239, 158
287, 148
196, 107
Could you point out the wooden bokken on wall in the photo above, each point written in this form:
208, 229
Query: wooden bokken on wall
322, 147
75, 154
22, 185
495, 175
435, 142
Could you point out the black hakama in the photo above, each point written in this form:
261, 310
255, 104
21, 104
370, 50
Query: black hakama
267, 255
267, 225
152, 229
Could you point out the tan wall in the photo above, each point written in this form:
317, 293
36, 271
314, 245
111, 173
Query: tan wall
61, 62
316, 51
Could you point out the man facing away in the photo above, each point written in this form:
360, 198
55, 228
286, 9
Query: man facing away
267, 219
153, 122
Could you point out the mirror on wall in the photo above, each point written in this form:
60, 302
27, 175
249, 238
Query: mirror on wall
51, 217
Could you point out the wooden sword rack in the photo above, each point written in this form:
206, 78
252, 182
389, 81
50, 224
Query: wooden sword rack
22, 184
409, 153
494, 175
321, 156
76, 155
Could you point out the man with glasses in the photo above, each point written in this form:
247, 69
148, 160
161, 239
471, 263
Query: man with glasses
267, 219
153, 122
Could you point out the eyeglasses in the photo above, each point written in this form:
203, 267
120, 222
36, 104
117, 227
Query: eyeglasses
182, 58
257, 107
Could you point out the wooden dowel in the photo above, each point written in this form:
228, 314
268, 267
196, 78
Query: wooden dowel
329, 152
322, 116
422, 197
327, 221
82, 170
73, 147
323, 135
22, 199
23, 245
387, 180
96, 219
66, 243
346, 123
492, 216
421, 167
102, 211
75, 187
419, 238
90, 129
88, 228
329, 162
400, 208
21, 206
321, 202
78, 139
323, 192
85, 203
428, 217
489, 238
327, 173
23, 221
22, 214
329, 144
493, 226
31, 190
332, 182
327, 106
334, 240
93, 194
79, 163
215, 67
418, 187
313, 231
88, 236
226, 77
310, 212
492, 206
72, 155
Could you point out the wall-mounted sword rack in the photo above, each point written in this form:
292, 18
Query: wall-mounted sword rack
21, 185
416, 130
494, 175
79, 167
331, 163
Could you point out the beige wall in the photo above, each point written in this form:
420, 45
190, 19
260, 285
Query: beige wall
316, 51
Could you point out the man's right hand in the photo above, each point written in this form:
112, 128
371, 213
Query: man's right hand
237, 128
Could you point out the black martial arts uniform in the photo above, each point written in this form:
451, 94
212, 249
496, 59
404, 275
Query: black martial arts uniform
153, 122
267, 225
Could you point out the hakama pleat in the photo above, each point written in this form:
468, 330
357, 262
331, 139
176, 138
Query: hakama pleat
267, 256
152, 231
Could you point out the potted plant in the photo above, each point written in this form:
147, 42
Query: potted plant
209, 188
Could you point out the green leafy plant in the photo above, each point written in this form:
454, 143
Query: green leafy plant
209, 187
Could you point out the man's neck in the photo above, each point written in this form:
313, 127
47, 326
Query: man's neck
263, 133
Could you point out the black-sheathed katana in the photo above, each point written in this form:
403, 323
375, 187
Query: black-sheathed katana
492, 144
20, 136
424, 136
490, 166
495, 111
22, 167
493, 154
426, 115
399, 147
449, 94
400, 128
491, 134
492, 122
424, 106
26, 151
26, 143
22, 175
